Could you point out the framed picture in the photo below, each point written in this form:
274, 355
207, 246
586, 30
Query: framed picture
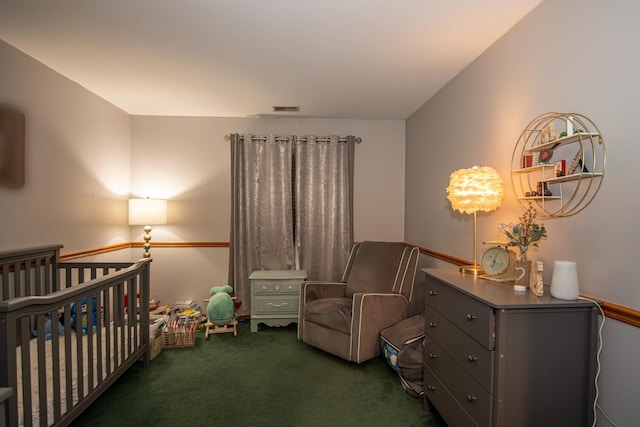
560, 168
544, 156
11, 147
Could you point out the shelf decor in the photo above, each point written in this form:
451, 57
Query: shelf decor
522, 235
571, 180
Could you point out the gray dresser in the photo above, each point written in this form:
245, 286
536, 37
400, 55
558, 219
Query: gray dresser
274, 297
495, 357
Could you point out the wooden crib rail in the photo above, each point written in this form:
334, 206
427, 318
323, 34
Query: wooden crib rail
29, 271
37, 304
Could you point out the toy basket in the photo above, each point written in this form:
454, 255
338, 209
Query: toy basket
179, 339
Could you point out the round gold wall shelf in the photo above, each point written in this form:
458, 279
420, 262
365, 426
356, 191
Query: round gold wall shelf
558, 164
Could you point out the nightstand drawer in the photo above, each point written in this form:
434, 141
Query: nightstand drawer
270, 287
271, 305
470, 315
464, 351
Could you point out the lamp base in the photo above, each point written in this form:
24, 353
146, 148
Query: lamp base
475, 270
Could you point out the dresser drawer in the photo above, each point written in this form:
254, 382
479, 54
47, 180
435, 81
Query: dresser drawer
470, 315
465, 352
282, 305
270, 287
448, 407
469, 394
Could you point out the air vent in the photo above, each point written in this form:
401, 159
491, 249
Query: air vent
285, 109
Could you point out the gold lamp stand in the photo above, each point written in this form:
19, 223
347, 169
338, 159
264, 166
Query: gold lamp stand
474, 269
146, 212
147, 239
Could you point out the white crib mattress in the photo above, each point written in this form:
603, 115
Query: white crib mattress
35, 399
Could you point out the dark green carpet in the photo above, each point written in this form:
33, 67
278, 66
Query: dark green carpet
267, 378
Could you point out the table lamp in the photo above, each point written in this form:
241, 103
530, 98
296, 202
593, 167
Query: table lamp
147, 212
473, 190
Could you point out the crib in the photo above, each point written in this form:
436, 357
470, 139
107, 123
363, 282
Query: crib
68, 331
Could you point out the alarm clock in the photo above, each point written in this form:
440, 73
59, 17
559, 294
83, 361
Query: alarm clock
498, 263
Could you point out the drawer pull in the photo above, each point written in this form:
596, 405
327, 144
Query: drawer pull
431, 388
433, 356
433, 293
278, 305
471, 317
472, 358
471, 398
433, 324
264, 287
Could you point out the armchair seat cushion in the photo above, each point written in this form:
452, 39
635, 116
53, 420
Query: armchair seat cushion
333, 313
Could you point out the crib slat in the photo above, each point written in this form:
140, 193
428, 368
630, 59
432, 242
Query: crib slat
8, 364
47, 286
55, 364
90, 338
79, 352
5, 282
25, 358
42, 371
132, 315
99, 325
68, 359
17, 282
108, 321
28, 271
38, 274
121, 324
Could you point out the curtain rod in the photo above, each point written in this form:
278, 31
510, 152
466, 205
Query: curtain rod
299, 138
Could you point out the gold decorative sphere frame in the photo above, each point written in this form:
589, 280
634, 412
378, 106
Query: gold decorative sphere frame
558, 164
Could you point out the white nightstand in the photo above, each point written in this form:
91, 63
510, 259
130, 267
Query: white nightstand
274, 297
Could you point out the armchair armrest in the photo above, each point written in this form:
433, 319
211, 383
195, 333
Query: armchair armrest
311, 291
373, 312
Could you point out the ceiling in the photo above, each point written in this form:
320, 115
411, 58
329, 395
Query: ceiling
352, 59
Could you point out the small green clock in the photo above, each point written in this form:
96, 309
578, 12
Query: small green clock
498, 262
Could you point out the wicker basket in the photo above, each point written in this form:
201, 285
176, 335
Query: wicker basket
179, 339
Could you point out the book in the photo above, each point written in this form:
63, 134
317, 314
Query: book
181, 303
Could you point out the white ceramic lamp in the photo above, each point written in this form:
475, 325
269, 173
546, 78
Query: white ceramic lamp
564, 280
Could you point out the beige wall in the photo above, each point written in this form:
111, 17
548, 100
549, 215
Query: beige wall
187, 161
77, 161
567, 56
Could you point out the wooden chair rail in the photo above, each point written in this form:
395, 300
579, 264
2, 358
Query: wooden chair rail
615, 311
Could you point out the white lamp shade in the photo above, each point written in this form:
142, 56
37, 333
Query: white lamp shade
564, 280
475, 189
147, 211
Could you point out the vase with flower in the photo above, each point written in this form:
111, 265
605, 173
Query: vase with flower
522, 235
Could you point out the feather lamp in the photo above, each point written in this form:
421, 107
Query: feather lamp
472, 190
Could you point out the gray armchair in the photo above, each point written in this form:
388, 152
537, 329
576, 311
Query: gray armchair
345, 318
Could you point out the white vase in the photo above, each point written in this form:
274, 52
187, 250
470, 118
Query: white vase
564, 280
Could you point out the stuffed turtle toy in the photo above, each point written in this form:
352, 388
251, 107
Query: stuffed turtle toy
220, 309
